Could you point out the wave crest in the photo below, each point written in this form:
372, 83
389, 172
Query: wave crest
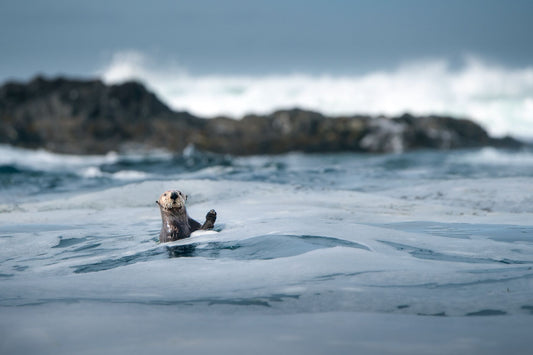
501, 99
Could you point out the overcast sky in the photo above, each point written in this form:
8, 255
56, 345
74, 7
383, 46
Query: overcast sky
258, 37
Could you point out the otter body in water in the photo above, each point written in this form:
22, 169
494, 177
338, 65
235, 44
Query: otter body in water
176, 222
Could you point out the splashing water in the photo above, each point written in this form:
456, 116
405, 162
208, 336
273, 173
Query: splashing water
498, 98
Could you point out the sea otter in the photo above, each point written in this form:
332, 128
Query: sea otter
176, 223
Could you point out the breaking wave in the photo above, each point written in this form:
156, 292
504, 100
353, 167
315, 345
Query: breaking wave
499, 98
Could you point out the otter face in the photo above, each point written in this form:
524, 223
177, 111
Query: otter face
172, 200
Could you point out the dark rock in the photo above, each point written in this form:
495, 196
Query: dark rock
87, 116
281, 131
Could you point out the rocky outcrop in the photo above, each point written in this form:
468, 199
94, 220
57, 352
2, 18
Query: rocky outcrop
87, 116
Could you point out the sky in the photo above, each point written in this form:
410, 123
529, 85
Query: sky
250, 37
472, 59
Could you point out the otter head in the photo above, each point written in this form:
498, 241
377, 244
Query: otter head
172, 201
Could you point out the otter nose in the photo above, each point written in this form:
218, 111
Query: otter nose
173, 195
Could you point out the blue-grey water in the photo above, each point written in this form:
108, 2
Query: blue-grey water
421, 252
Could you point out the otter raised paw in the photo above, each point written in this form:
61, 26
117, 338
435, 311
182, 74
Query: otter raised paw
176, 222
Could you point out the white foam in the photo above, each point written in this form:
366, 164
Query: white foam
491, 156
200, 233
499, 98
96, 172
130, 175
46, 161
91, 172
86, 166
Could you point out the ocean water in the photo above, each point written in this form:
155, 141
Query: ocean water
421, 252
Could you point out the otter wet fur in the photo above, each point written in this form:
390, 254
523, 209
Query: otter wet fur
176, 222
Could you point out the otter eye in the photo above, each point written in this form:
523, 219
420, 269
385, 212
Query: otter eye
164, 194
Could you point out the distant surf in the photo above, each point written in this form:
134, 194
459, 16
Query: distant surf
498, 98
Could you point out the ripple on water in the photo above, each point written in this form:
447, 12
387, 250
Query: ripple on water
67, 242
428, 254
487, 312
527, 308
263, 247
499, 232
108, 264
